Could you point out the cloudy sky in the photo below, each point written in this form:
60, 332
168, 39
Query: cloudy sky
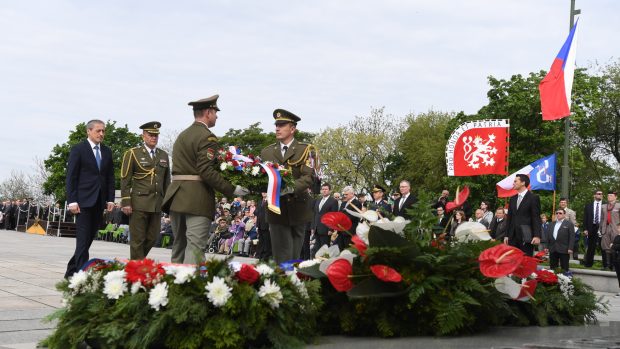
65, 62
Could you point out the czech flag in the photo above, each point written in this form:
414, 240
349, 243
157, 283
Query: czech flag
273, 188
555, 89
541, 173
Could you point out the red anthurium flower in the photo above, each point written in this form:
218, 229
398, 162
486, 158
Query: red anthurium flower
385, 273
500, 260
144, 271
337, 221
360, 245
527, 267
461, 197
339, 273
527, 290
248, 274
546, 277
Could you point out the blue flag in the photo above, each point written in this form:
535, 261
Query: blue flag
542, 176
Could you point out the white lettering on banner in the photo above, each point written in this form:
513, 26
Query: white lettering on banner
543, 171
458, 132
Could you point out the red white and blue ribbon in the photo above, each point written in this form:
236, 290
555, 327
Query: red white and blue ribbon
273, 188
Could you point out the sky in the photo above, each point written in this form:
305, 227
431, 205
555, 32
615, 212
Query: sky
66, 62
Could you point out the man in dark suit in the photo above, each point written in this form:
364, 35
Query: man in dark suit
498, 225
561, 240
321, 206
523, 219
264, 239
90, 188
405, 201
591, 221
348, 200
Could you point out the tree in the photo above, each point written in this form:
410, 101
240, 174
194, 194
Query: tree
359, 152
119, 139
15, 187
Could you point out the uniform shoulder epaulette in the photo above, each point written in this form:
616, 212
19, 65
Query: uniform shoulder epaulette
272, 144
212, 138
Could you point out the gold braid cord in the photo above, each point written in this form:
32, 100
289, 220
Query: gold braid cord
304, 157
137, 175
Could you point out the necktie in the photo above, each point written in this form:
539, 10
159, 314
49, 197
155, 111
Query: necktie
402, 201
597, 212
321, 203
98, 157
152, 153
519, 201
284, 149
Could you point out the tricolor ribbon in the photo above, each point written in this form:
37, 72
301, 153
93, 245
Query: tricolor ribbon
273, 188
237, 156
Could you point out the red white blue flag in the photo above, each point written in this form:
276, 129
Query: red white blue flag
555, 89
541, 173
273, 187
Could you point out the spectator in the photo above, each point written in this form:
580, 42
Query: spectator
498, 225
237, 229
321, 206
442, 200
486, 214
591, 222
561, 240
479, 217
344, 239
570, 214
406, 200
544, 232
610, 219
459, 217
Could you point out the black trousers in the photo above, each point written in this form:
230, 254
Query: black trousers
264, 244
88, 222
593, 242
563, 258
527, 248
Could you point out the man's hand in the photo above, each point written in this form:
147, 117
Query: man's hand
506, 240
110, 206
535, 240
585, 232
127, 210
287, 190
74, 208
570, 251
241, 191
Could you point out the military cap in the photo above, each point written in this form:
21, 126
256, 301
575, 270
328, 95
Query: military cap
205, 103
151, 127
281, 115
378, 188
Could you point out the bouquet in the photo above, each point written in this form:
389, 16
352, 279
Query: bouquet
248, 171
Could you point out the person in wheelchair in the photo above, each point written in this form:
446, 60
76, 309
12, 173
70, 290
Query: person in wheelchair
236, 230
221, 232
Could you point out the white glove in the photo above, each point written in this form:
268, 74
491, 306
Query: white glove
241, 191
599, 234
287, 190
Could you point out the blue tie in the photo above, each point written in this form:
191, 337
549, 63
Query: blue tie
98, 157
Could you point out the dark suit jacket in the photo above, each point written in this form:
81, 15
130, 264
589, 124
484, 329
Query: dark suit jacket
411, 199
565, 239
528, 215
330, 205
85, 182
498, 229
354, 220
261, 215
588, 217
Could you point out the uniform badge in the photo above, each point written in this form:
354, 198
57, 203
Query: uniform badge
210, 154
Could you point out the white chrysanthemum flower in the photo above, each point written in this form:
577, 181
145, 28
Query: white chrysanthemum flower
77, 281
218, 292
158, 296
566, 286
114, 284
255, 171
264, 269
270, 292
95, 282
301, 287
309, 263
181, 273
223, 166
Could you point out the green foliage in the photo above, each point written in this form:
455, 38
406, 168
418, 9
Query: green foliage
189, 320
119, 139
253, 139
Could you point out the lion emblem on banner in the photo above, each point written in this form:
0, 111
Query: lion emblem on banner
479, 150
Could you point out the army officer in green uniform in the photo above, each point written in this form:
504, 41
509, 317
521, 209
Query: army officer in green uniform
195, 178
145, 175
287, 229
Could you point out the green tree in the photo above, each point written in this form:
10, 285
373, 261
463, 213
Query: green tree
358, 153
119, 139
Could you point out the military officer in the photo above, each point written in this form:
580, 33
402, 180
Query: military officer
145, 176
190, 199
378, 203
287, 229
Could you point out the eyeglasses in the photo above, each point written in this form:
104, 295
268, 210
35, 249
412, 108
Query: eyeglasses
599, 194
559, 212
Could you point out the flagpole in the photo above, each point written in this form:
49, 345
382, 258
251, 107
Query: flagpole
565, 166
553, 211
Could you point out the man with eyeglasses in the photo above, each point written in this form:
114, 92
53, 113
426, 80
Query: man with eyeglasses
561, 240
591, 224
145, 176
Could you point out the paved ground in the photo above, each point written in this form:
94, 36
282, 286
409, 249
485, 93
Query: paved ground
31, 265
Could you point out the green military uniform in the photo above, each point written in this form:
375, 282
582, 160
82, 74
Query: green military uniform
287, 229
191, 196
145, 176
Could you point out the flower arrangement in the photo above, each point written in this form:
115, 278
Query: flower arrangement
222, 304
390, 284
248, 172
